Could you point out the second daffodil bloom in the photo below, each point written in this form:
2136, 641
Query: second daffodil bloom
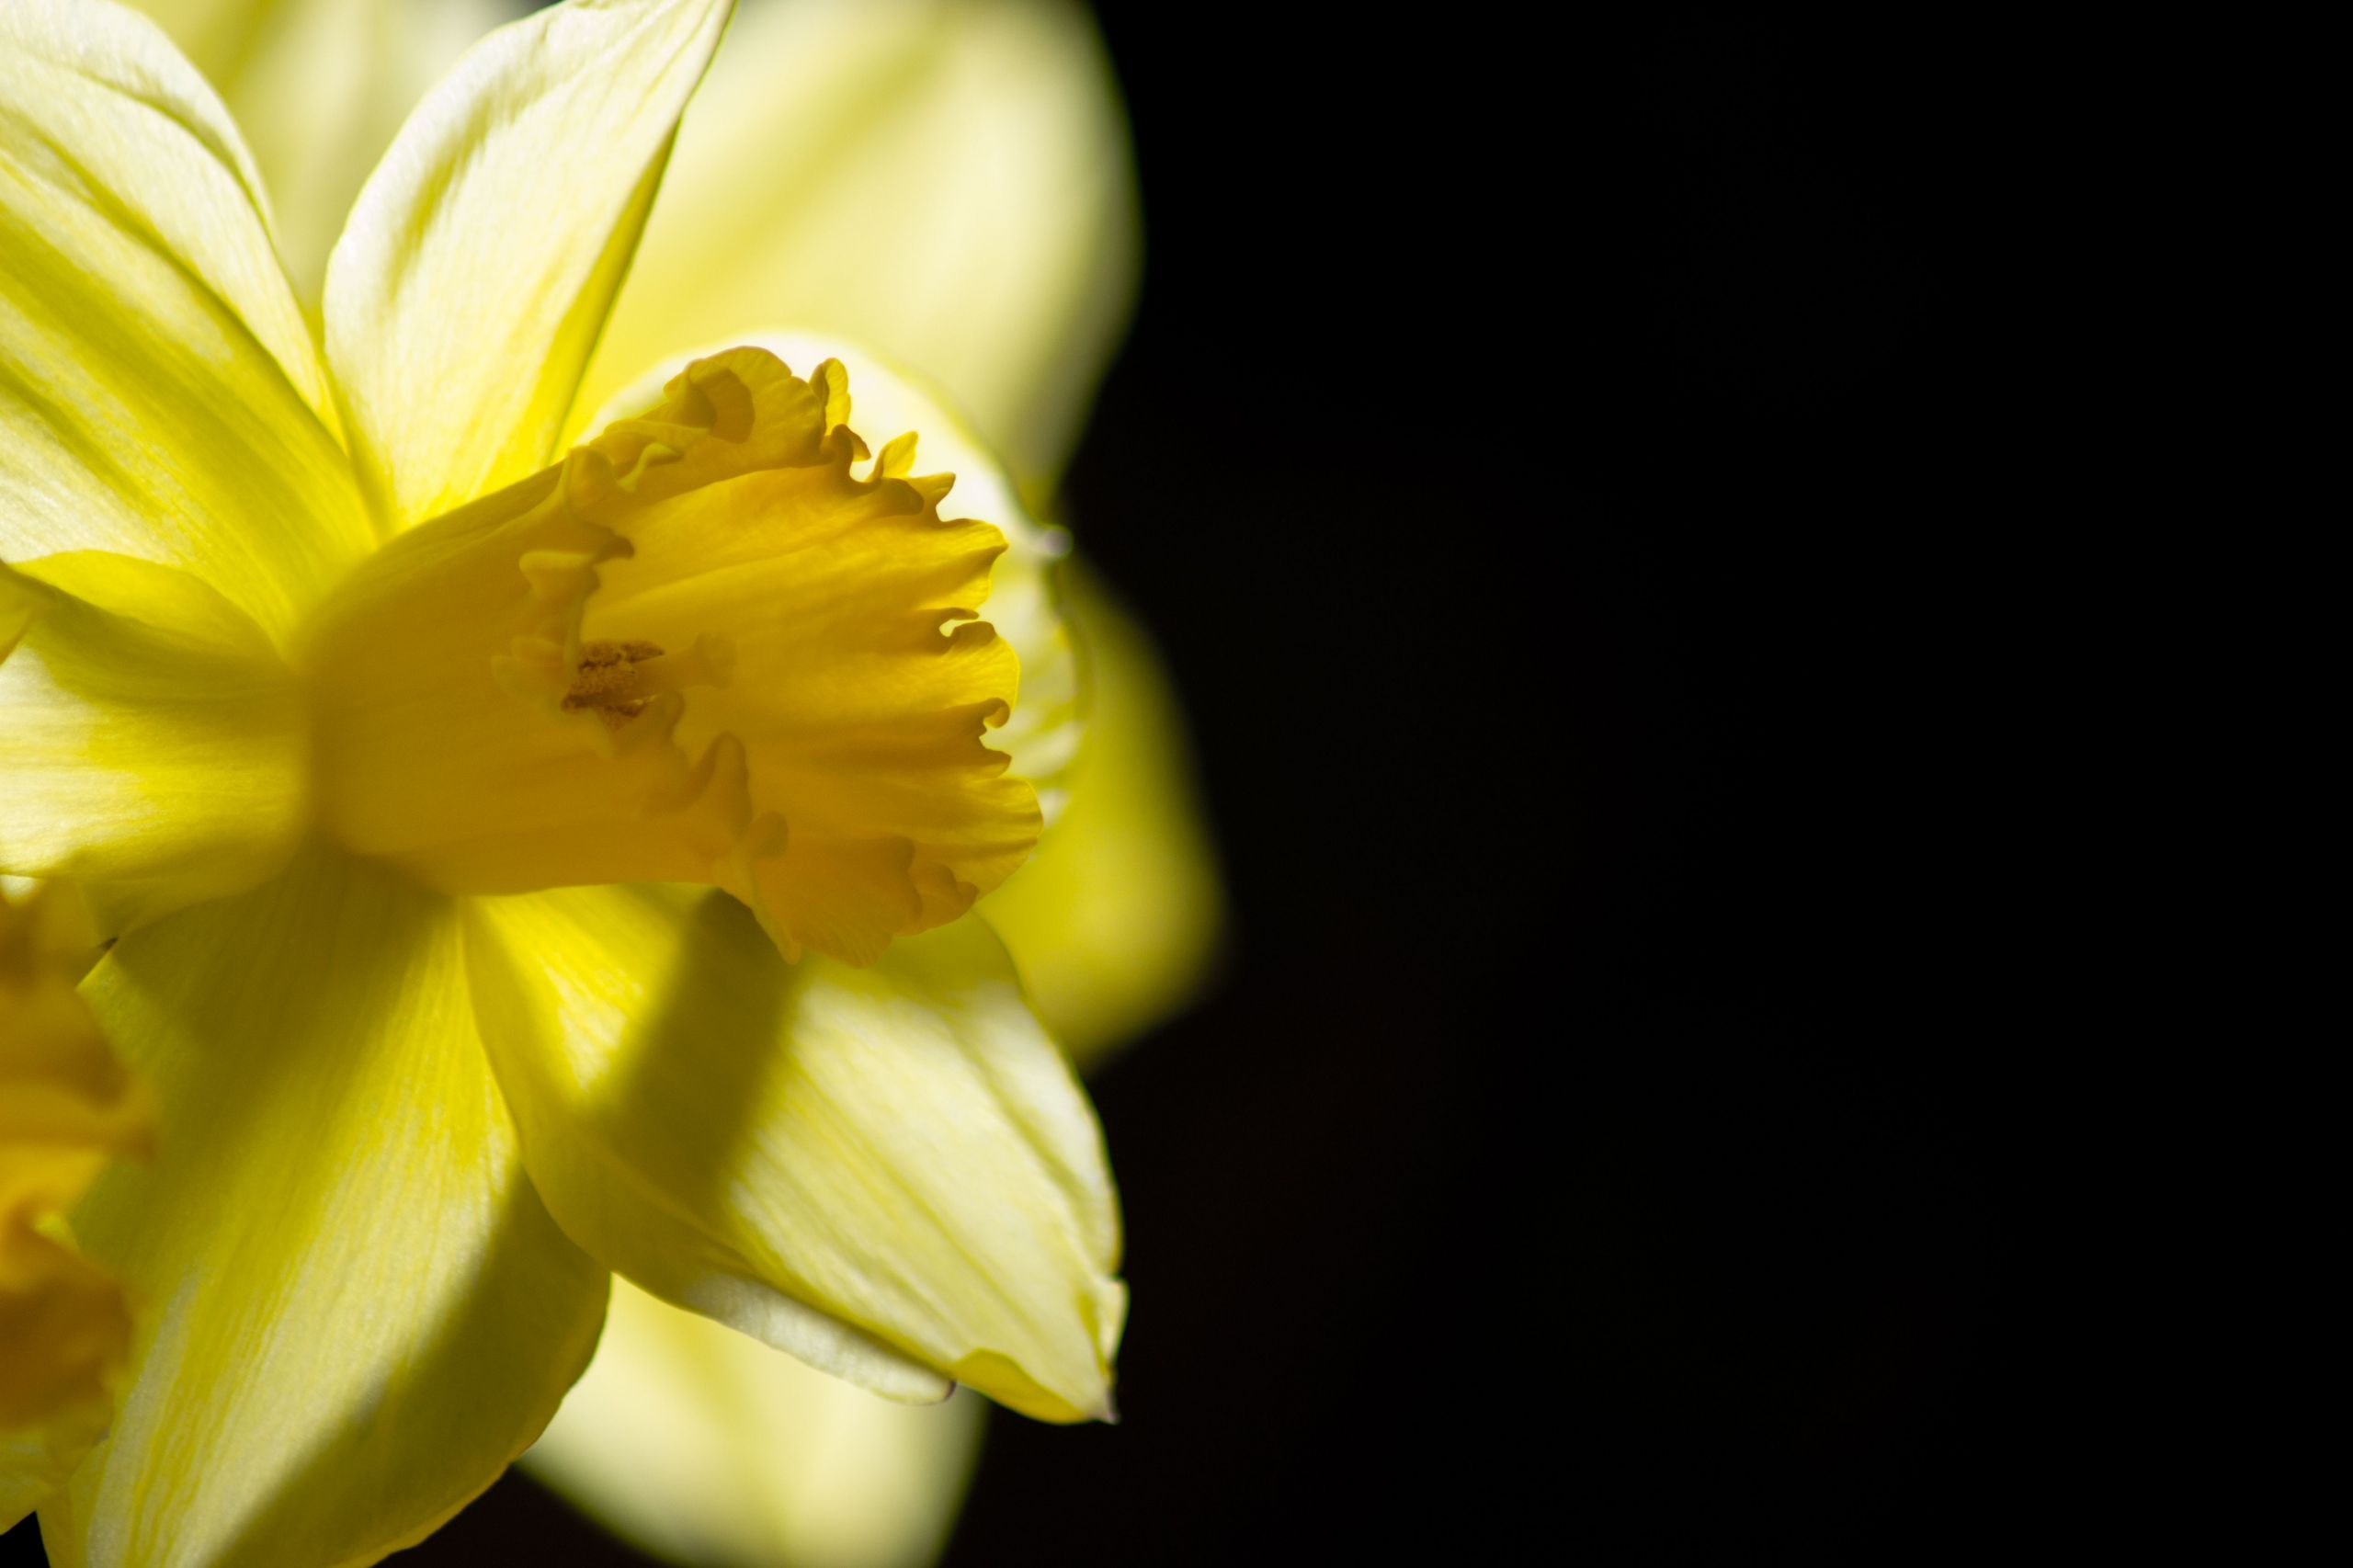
66, 1106
523, 865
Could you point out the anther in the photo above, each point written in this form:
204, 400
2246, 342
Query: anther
608, 680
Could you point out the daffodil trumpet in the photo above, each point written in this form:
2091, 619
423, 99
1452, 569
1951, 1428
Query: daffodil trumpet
703, 649
525, 864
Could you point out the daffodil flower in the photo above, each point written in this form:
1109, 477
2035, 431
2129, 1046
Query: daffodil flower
66, 1106
999, 123
523, 867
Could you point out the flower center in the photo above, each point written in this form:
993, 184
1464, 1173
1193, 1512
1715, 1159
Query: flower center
610, 683
700, 649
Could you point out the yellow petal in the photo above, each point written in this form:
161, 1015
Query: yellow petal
949, 183
898, 1147
1114, 920
707, 1448
319, 86
1042, 735
360, 1310
480, 259
159, 394
151, 740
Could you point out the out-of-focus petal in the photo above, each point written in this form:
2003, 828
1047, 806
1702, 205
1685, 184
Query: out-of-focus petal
360, 1313
1114, 920
887, 1171
481, 257
159, 394
887, 402
152, 742
319, 86
66, 1106
947, 182
65, 1327
707, 1448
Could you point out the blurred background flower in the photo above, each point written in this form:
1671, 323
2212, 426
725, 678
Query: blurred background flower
67, 1107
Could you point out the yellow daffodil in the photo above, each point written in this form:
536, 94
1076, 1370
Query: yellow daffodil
1000, 122
522, 868
998, 119
66, 1106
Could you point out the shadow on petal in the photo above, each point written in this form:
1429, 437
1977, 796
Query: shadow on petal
450, 1361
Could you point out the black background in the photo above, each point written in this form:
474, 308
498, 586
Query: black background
1573, 480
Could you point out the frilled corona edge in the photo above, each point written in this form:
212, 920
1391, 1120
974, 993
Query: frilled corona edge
701, 648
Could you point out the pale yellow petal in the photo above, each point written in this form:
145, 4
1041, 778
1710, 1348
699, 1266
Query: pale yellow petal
319, 86
1114, 920
359, 1311
159, 394
707, 1449
947, 182
481, 258
152, 742
886, 402
900, 1147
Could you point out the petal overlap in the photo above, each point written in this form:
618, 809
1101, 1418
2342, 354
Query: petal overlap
899, 1149
362, 1312
945, 181
159, 394
706, 1446
318, 87
479, 263
152, 740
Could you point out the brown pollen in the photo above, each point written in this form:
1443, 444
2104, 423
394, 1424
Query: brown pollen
607, 682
